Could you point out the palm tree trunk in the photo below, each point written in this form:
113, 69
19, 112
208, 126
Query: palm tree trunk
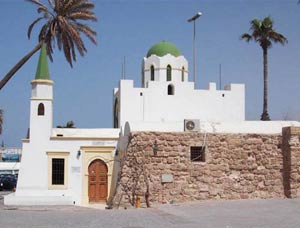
265, 114
11, 73
1, 120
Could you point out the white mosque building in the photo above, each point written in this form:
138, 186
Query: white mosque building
167, 98
80, 166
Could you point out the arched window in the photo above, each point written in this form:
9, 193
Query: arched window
182, 74
170, 90
116, 114
41, 109
152, 73
169, 73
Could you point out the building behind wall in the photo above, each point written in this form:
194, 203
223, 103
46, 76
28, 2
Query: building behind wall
183, 144
166, 95
10, 160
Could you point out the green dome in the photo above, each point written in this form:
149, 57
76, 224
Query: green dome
163, 48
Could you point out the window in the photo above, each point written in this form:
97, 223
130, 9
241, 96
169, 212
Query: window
152, 73
41, 109
182, 74
170, 90
198, 154
169, 73
57, 170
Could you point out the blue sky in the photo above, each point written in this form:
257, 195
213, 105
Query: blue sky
129, 28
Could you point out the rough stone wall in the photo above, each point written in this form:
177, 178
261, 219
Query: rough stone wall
291, 161
237, 166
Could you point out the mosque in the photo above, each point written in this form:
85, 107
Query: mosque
74, 166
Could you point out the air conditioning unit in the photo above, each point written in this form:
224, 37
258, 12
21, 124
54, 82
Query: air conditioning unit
191, 125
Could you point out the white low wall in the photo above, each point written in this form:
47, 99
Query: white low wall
246, 127
12, 199
85, 133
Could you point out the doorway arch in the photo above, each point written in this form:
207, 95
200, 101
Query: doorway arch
97, 186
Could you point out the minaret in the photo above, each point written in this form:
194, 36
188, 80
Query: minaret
41, 101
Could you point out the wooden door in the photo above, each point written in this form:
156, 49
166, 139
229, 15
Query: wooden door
97, 181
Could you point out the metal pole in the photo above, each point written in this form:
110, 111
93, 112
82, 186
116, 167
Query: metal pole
194, 18
124, 67
195, 76
220, 76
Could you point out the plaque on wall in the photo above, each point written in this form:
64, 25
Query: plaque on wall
166, 178
75, 169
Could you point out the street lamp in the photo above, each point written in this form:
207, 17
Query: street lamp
194, 18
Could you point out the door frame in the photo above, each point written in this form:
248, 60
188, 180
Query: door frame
89, 154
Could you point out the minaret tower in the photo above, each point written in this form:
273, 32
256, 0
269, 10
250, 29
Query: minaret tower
41, 101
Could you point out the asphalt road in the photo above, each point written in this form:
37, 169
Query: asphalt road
275, 213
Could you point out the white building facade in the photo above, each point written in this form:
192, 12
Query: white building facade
62, 166
81, 166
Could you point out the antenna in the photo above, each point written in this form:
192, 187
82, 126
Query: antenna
220, 76
122, 71
124, 68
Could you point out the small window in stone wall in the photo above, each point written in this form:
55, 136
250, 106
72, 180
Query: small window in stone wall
198, 153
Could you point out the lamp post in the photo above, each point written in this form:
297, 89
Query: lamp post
193, 19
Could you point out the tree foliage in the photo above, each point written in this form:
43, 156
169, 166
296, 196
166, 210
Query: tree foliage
69, 124
63, 25
262, 32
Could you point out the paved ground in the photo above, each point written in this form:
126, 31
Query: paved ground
204, 214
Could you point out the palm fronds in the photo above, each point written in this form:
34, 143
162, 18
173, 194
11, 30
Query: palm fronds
262, 31
64, 25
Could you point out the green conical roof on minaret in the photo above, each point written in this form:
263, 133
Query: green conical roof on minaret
42, 71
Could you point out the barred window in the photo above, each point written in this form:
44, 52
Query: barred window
197, 153
58, 171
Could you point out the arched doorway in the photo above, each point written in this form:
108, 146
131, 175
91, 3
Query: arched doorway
97, 181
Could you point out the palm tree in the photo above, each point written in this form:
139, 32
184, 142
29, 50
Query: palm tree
63, 25
70, 124
264, 34
1, 120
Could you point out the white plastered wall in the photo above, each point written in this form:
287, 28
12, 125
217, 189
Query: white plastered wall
153, 104
160, 68
33, 186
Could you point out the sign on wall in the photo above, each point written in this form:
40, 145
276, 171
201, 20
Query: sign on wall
166, 178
